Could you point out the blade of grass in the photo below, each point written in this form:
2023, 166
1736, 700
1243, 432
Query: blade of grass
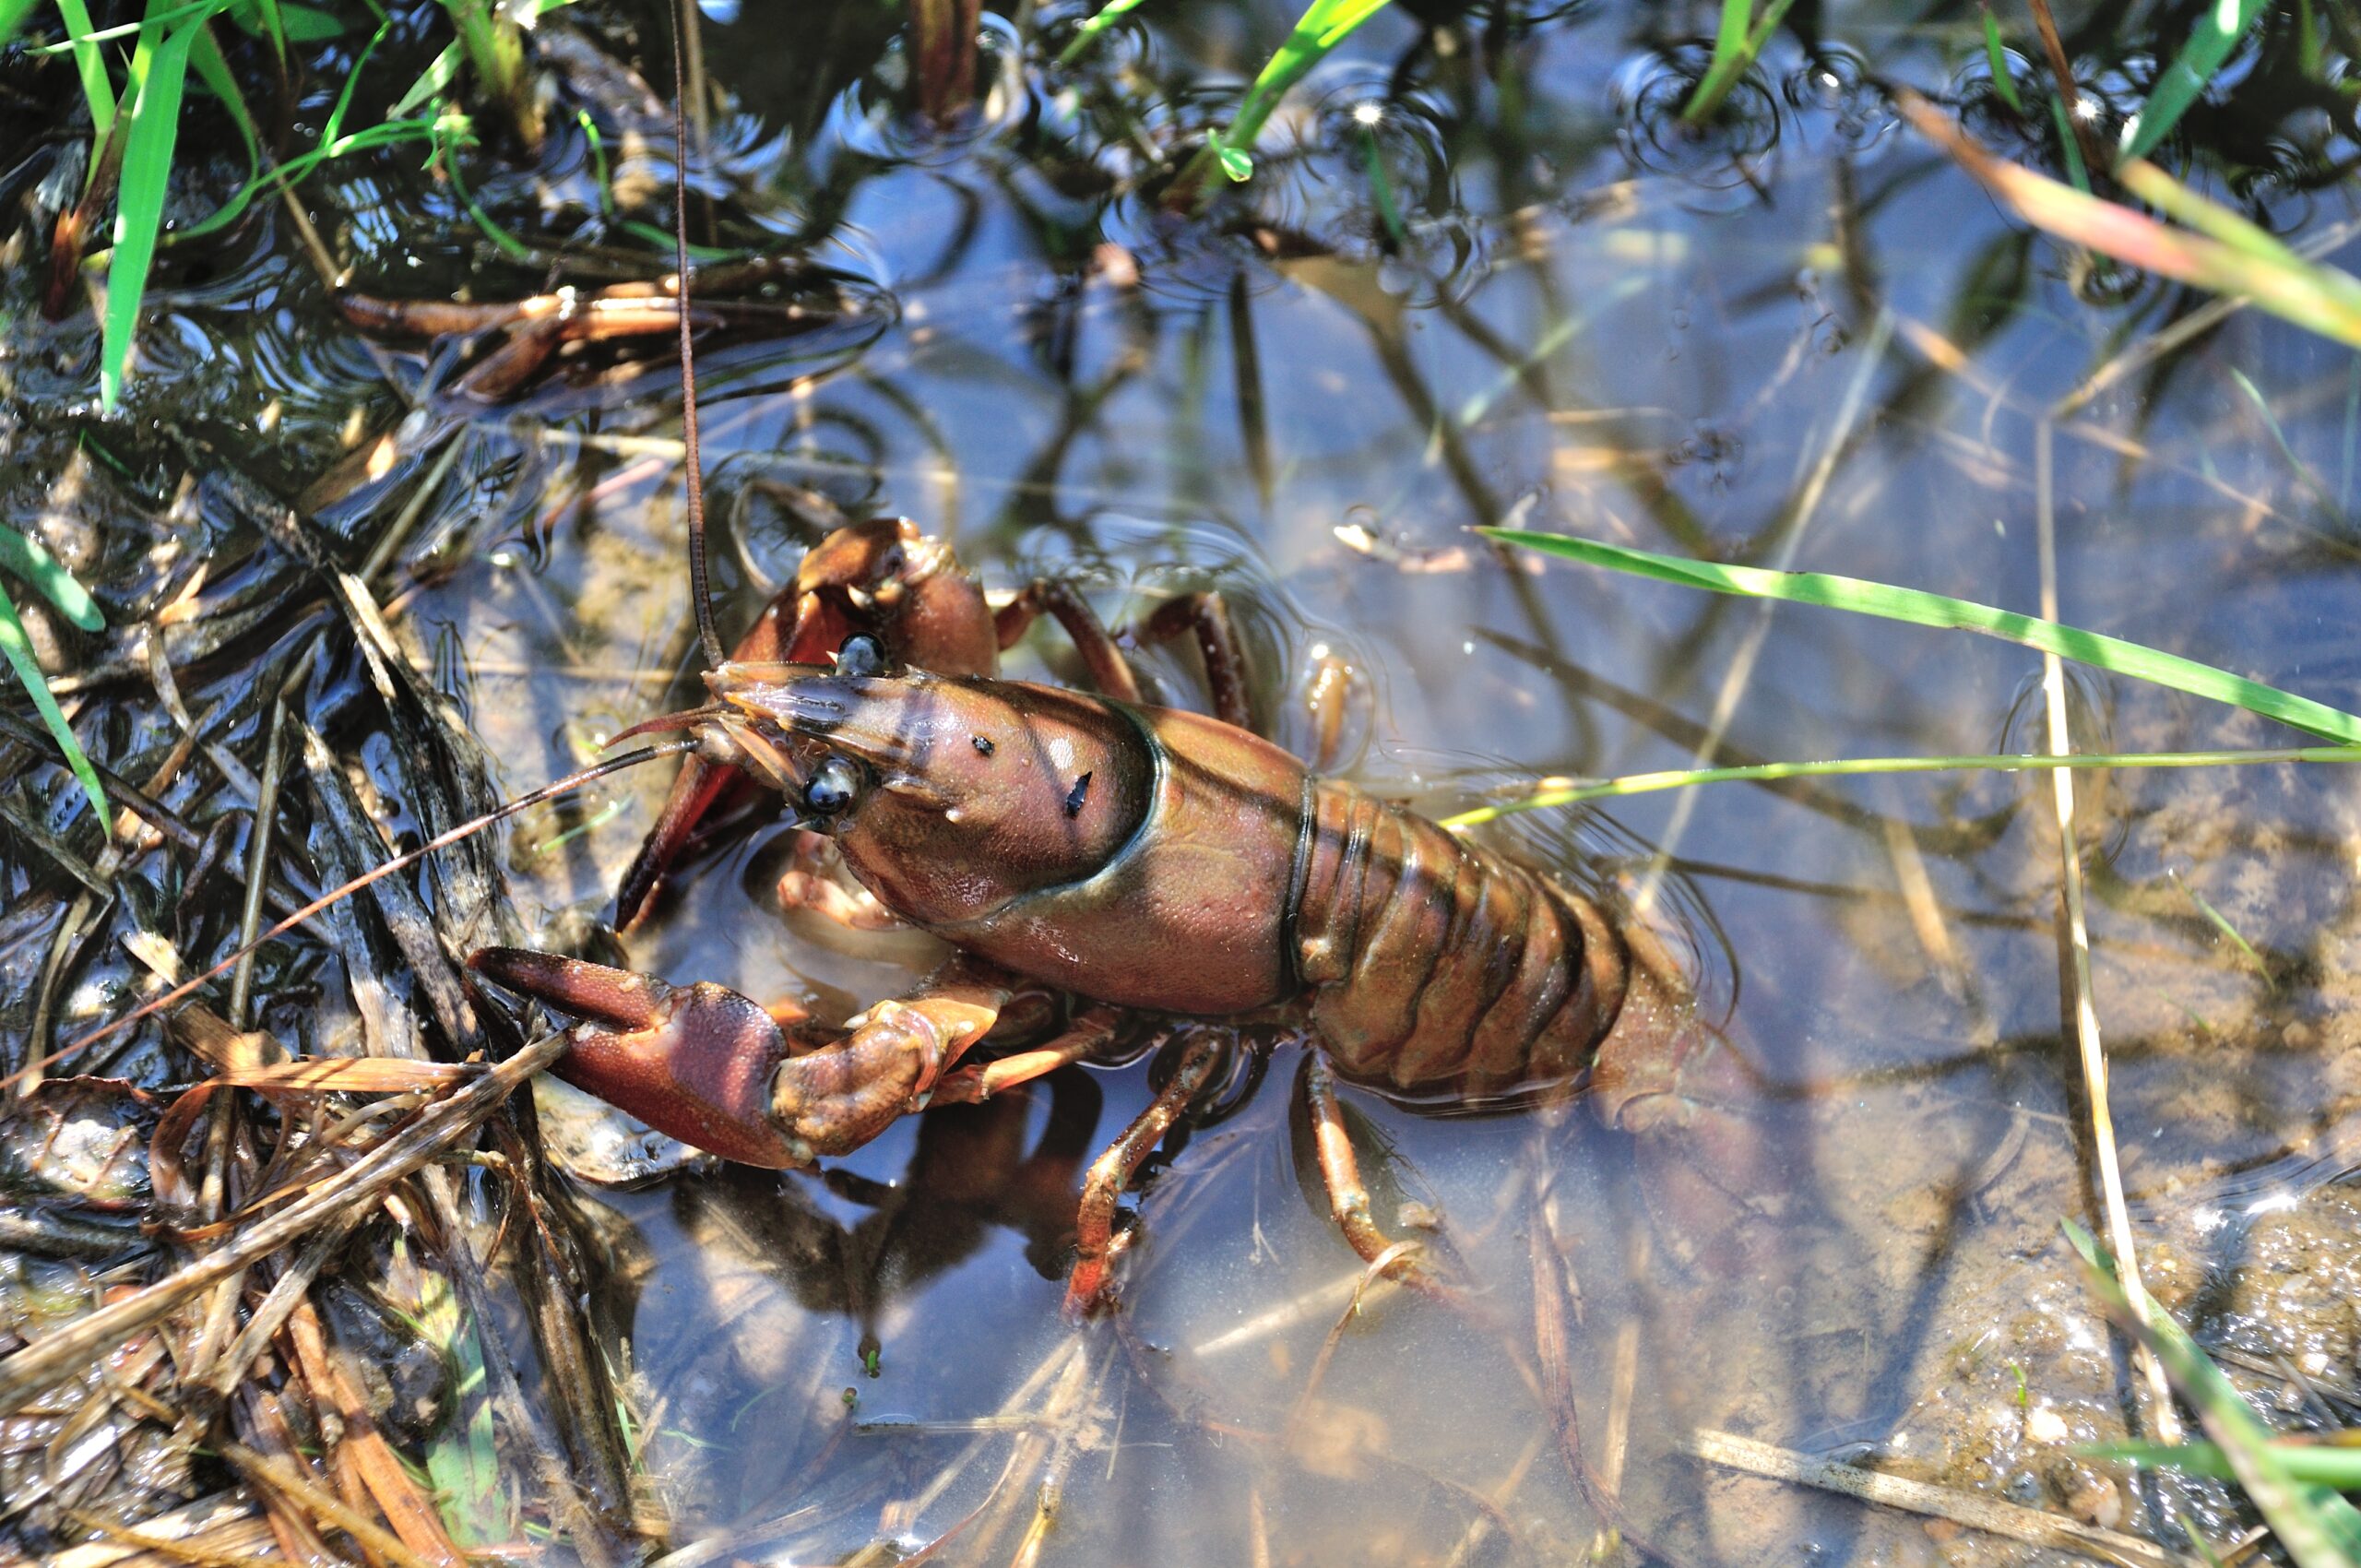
12, 17
1554, 793
2319, 1528
159, 68
29, 559
1916, 608
1323, 25
214, 72
1112, 12
18, 650
2004, 81
2210, 42
1730, 63
2314, 1463
2077, 174
2319, 299
440, 73
2303, 470
91, 66
333, 143
2211, 219
158, 17
2221, 923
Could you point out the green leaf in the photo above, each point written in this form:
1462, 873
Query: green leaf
214, 72
2319, 1528
91, 66
157, 75
307, 24
2315, 1464
439, 74
12, 17
1558, 793
29, 559
1731, 62
1092, 27
1323, 25
1891, 603
2210, 42
18, 649
2004, 81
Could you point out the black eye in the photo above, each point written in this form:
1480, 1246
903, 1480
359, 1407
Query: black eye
833, 788
861, 655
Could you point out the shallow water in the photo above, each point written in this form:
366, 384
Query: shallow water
1810, 341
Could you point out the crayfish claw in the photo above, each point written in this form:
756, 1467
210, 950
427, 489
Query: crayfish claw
693, 1061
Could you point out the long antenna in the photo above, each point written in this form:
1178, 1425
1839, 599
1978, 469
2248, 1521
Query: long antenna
443, 841
715, 657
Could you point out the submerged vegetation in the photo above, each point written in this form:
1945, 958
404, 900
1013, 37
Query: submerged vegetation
339, 440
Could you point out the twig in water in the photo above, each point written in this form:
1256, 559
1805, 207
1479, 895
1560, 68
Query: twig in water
2092, 1050
1970, 1508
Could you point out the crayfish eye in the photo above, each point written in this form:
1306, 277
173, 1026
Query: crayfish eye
861, 655
831, 789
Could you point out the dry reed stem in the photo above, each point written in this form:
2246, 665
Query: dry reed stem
55, 1357
1970, 1508
2089, 1046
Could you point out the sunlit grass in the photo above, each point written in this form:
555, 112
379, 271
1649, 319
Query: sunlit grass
2218, 250
2317, 1527
1736, 47
137, 125
1323, 25
2219, 28
1580, 791
23, 557
1887, 602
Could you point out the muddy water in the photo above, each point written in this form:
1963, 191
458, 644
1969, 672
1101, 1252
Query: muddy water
1806, 341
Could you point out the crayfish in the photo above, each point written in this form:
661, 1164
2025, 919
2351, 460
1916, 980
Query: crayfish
1139, 858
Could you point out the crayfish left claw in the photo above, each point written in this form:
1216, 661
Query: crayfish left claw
693, 1061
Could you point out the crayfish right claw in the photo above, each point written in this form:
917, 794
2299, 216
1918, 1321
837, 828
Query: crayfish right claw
695, 1063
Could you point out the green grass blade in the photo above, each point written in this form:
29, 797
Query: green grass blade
2221, 923
1113, 11
1891, 603
2071, 146
2313, 1464
18, 649
2216, 34
2303, 470
12, 17
440, 73
158, 73
214, 72
1571, 793
2319, 1528
157, 18
1727, 65
333, 143
2003, 81
29, 559
2211, 219
91, 67
1323, 25
2319, 299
